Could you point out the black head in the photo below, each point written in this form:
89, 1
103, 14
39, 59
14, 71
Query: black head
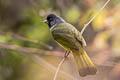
53, 20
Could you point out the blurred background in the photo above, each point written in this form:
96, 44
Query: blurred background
28, 51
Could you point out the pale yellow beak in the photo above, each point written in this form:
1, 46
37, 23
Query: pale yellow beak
45, 21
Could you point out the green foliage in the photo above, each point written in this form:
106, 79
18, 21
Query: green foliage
25, 18
72, 14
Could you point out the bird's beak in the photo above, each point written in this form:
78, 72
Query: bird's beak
45, 21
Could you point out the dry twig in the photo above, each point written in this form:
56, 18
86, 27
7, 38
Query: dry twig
18, 37
60, 64
58, 68
49, 66
32, 41
85, 26
30, 50
27, 52
47, 53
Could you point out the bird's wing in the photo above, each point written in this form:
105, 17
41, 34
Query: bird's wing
70, 31
78, 36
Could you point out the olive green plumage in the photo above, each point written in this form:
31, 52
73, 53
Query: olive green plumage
70, 38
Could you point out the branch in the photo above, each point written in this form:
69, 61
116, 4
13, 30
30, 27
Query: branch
27, 52
50, 53
48, 66
58, 68
60, 64
30, 50
85, 26
18, 37
32, 41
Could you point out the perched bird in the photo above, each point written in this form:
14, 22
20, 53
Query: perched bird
67, 36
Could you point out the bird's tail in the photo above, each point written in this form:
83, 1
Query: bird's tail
84, 63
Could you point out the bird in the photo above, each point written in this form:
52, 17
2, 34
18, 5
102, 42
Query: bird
68, 37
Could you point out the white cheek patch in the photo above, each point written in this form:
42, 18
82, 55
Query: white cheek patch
63, 21
52, 27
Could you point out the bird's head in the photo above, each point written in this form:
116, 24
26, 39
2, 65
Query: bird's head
53, 20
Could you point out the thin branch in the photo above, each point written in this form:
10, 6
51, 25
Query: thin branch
32, 41
50, 53
58, 68
60, 64
85, 26
30, 50
27, 52
18, 37
48, 66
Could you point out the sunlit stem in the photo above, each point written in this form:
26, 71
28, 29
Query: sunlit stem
85, 26
60, 64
